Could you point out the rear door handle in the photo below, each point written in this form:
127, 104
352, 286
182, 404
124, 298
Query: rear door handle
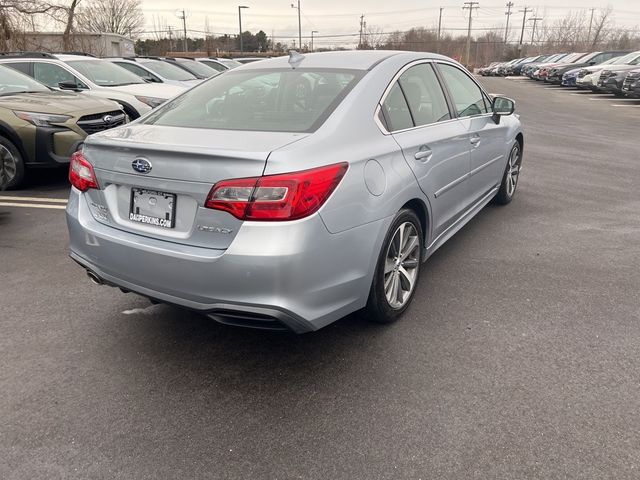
424, 154
475, 140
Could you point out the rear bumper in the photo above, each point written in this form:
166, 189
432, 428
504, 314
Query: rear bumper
295, 274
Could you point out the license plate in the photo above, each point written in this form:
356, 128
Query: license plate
153, 207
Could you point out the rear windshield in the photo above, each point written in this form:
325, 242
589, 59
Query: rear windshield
167, 70
282, 100
198, 68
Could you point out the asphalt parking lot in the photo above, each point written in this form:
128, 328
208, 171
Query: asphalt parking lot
518, 358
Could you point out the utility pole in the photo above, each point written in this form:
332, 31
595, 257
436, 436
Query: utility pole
361, 27
312, 32
299, 24
590, 24
170, 39
533, 32
439, 29
471, 6
508, 13
183, 16
524, 19
240, 7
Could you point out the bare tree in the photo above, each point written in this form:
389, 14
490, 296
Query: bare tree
16, 14
70, 17
123, 17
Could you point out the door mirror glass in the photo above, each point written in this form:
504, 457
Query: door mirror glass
503, 106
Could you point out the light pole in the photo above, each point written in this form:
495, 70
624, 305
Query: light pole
240, 7
312, 32
299, 25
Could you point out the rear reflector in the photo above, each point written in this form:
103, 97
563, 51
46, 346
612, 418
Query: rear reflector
81, 174
287, 196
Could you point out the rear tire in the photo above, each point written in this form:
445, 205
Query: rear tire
510, 176
12, 168
397, 269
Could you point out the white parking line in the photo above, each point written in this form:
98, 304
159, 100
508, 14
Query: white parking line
32, 205
616, 99
34, 199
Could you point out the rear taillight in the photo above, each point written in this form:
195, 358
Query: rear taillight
81, 174
287, 196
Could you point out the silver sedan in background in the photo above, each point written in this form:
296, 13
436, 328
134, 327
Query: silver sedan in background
290, 192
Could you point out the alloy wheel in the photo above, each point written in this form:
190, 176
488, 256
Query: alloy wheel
513, 169
401, 265
8, 166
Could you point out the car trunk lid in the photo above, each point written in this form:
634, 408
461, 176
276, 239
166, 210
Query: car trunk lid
167, 202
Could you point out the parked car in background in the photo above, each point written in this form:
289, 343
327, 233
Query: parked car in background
588, 77
198, 69
41, 127
612, 77
594, 58
93, 77
244, 60
228, 62
157, 71
517, 70
484, 71
631, 84
213, 63
532, 67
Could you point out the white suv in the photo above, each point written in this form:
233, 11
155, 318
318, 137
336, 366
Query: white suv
93, 76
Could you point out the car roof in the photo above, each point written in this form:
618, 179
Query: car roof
66, 57
352, 59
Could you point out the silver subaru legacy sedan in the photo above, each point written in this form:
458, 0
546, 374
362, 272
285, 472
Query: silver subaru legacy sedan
288, 193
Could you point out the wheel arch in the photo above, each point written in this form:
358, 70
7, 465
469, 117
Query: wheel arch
421, 210
13, 137
128, 109
520, 140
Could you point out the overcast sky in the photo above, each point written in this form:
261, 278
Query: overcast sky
340, 17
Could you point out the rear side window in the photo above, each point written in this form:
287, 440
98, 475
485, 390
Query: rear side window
20, 66
52, 75
282, 100
466, 95
396, 110
424, 95
141, 72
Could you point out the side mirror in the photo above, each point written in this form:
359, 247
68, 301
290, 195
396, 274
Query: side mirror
150, 79
69, 86
502, 106
592, 63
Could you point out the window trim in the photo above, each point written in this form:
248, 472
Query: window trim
484, 94
452, 110
64, 66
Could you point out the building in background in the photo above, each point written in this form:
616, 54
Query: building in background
99, 44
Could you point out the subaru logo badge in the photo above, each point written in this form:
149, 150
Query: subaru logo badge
141, 165
108, 119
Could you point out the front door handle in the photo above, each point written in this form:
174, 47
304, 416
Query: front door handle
475, 140
424, 154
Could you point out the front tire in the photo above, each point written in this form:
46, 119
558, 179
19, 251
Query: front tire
12, 169
397, 269
510, 176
